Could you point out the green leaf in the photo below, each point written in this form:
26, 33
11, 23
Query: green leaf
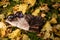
58, 19
4, 38
33, 36
48, 15
43, 1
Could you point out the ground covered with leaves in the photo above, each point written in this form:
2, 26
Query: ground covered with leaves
42, 15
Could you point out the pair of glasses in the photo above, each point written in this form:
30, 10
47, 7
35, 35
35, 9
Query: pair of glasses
18, 14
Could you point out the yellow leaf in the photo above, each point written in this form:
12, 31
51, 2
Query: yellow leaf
53, 20
47, 27
35, 13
